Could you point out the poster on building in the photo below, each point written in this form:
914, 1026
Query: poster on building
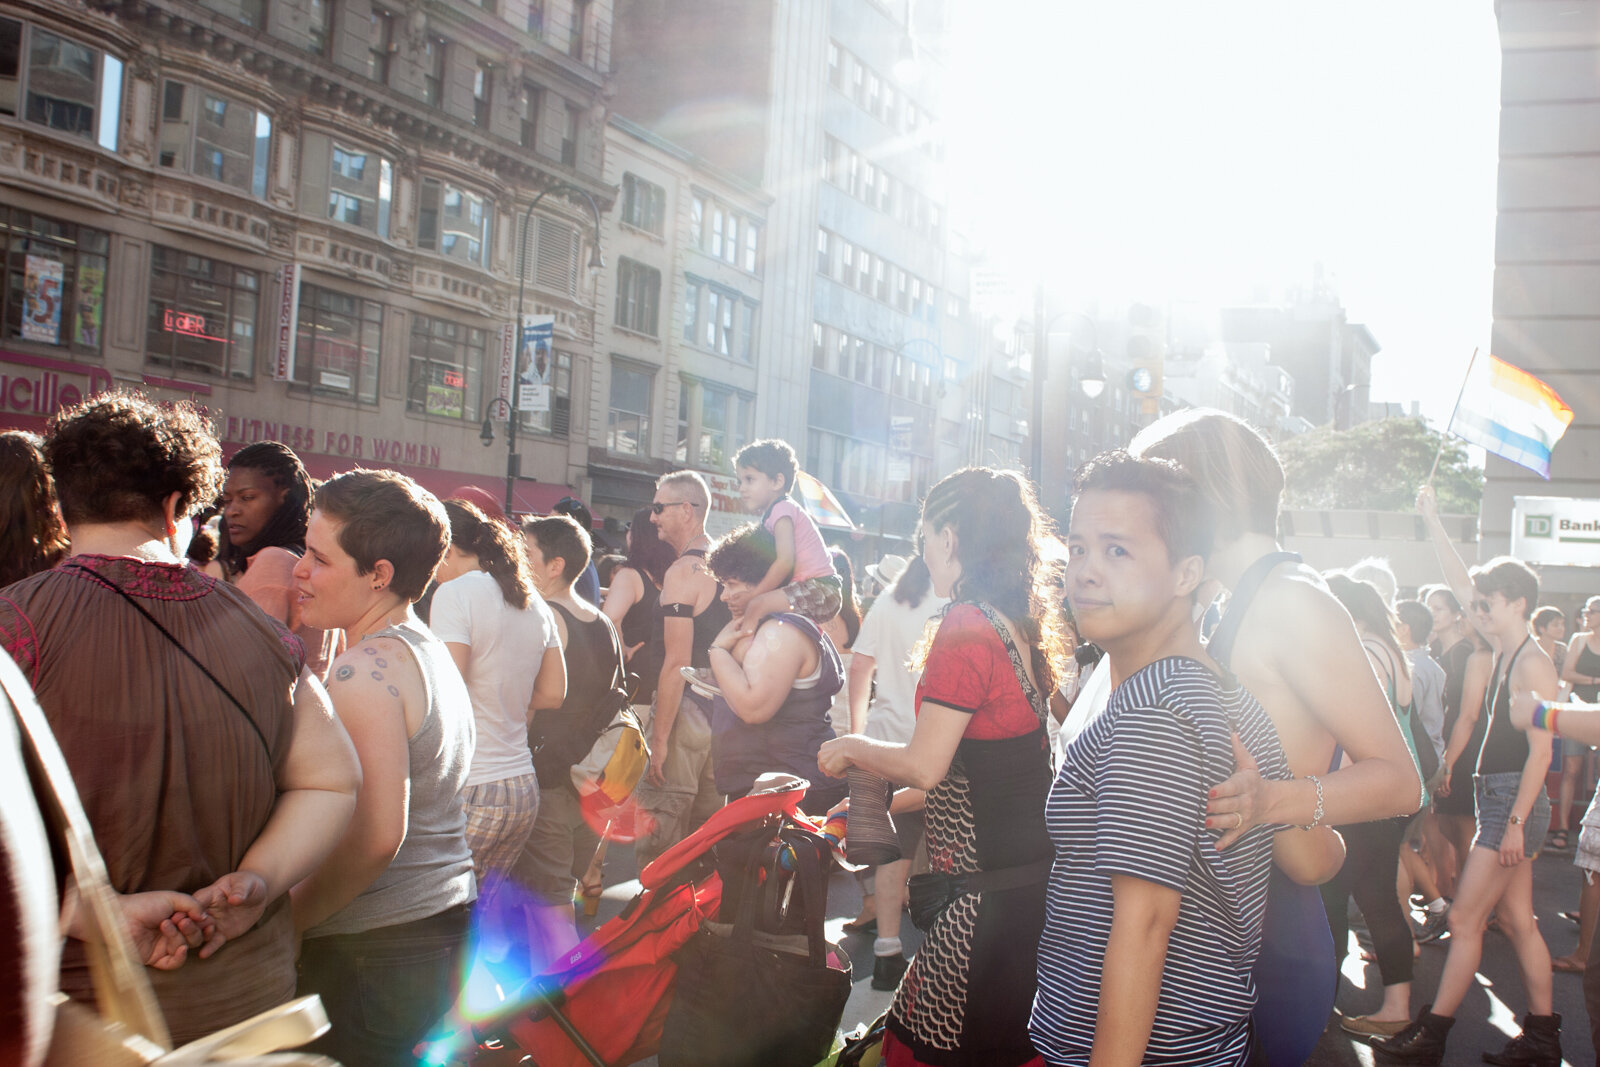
90, 313
288, 322
41, 300
1556, 530
536, 359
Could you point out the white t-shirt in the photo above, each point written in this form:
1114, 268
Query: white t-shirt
508, 646
888, 634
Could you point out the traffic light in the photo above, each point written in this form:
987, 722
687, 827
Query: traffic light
1144, 352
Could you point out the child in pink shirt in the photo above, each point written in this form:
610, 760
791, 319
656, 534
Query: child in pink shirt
801, 578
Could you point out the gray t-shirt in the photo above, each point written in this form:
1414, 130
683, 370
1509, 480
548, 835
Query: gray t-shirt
1427, 690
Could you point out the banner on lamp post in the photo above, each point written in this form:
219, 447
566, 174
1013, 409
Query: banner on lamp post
288, 322
536, 357
506, 373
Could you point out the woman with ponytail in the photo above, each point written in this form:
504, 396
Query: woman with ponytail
979, 749
497, 628
266, 504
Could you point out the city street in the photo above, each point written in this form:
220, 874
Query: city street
1487, 1019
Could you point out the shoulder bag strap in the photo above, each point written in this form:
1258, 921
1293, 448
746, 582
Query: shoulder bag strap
1220, 647
122, 990
179, 645
1041, 707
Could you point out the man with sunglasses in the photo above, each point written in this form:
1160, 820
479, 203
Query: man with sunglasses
679, 792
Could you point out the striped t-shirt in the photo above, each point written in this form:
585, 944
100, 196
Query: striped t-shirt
1130, 799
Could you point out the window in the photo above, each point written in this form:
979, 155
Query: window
446, 374
714, 302
752, 246
824, 252
558, 420
638, 296
730, 247
644, 204
433, 70
569, 135
628, 425
380, 45
835, 67
555, 263
360, 188
320, 26
454, 222
202, 314
337, 347
55, 280
718, 221
213, 136
730, 307
61, 84
697, 220
691, 311
747, 336
532, 101
482, 86
819, 347
536, 18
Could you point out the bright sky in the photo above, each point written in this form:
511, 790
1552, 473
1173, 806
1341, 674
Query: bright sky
1169, 150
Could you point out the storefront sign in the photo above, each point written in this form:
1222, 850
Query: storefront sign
727, 510
38, 385
323, 441
288, 321
1556, 530
41, 300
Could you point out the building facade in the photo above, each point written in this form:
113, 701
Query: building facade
308, 217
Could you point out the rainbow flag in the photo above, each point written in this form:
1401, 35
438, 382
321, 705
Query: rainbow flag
1511, 413
823, 507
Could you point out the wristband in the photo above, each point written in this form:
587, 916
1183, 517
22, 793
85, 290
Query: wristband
1545, 715
1316, 814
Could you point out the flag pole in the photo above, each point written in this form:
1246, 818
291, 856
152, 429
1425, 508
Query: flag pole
1459, 394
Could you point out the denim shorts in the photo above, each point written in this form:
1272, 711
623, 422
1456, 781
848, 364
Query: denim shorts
1495, 795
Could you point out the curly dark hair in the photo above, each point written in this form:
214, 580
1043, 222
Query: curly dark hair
647, 553
745, 554
287, 527
999, 533
385, 515
116, 457
500, 552
32, 538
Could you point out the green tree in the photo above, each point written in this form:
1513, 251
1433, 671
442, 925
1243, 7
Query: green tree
1377, 466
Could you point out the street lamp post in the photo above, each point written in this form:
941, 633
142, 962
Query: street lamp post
1092, 381
596, 263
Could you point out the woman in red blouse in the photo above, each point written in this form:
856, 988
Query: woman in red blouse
980, 750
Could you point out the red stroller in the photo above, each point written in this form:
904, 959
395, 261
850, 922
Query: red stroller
607, 1000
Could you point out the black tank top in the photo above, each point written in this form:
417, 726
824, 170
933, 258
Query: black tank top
1589, 665
1505, 748
709, 623
642, 623
1454, 662
560, 736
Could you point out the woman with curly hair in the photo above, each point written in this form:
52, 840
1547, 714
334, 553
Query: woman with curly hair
207, 757
497, 627
979, 748
32, 537
265, 504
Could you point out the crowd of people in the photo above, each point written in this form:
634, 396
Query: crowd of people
326, 735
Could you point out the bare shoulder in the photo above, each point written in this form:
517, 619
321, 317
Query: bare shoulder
684, 579
374, 666
1295, 605
1534, 668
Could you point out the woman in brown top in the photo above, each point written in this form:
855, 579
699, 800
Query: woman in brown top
216, 769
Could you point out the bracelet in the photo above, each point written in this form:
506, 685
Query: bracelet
1316, 815
1545, 715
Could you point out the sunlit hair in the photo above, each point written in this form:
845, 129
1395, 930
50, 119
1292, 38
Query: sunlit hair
501, 553
999, 532
32, 537
1366, 606
1376, 569
385, 515
690, 486
560, 537
1511, 578
772, 457
1235, 466
647, 553
1185, 519
849, 609
914, 583
1417, 618
1545, 617
744, 555
287, 526
118, 456
1428, 592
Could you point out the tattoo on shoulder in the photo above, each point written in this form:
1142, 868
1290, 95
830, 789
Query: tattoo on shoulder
344, 673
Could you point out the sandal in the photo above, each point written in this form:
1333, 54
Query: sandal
1558, 840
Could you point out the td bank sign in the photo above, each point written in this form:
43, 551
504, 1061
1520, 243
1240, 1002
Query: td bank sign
1556, 530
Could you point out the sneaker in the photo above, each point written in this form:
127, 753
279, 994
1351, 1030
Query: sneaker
701, 681
888, 970
1367, 1027
1434, 927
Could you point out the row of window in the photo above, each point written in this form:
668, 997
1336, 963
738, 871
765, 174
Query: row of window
719, 320
715, 229
713, 420
57, 82
878, 189
871, 274
866, 468
836, 352
872, 91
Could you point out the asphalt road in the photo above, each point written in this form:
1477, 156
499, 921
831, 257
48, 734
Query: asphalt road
1487, 1018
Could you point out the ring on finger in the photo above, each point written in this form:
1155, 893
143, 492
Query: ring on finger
1238, 820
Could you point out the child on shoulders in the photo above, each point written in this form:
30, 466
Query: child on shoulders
802, 578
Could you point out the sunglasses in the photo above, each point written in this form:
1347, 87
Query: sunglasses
1482, 605
657, 506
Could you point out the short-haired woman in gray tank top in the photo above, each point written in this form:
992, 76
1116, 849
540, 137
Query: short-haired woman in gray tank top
385, 918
